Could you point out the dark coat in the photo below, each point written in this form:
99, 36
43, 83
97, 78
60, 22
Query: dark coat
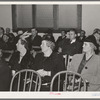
26, 62
60, 39
71, 49
60, 42
81, 39
54, 63
34, 42
5, 76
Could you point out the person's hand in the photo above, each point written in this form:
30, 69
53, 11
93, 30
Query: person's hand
13, 72
33, 52
59, 49
40, 71
25, 35
43, 73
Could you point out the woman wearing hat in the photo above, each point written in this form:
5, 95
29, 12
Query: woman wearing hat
21, 59
48, 63
88, 64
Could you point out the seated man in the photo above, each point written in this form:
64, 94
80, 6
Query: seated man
7, 47
88, 65
73, 46
48, 63
60, 39
34, 41
11, 35
5, 75
82, 36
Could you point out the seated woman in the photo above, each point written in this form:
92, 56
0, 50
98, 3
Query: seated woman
7, 47
21, 59
88, 65
5, 74
48, 63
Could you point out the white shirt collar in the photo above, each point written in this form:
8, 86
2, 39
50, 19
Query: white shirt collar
73, 41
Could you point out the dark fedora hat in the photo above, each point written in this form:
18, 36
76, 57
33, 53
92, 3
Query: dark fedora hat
91, 40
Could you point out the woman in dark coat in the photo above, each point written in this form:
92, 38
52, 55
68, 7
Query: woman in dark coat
21, 59
48, 63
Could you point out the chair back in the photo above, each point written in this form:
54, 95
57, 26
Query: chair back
26, 80
68, 59
68, 81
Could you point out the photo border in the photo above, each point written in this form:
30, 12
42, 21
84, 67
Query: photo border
51, 95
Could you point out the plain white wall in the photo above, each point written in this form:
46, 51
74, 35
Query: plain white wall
90, 18
5, 16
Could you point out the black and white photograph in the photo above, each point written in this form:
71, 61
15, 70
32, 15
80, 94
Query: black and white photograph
50, 47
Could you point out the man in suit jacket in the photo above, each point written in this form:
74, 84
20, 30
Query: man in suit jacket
73, 46
88, 65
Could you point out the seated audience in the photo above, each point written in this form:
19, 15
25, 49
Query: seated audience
19, 33
34, 41
5, 74
7, 47
73, 46
21, 59
49, 35
60, 39
11, 35
82, 36
64, 42
48, 63
68, 35
88, 64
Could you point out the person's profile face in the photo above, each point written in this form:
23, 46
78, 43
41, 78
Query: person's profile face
68, 35
19, 45
5, 38
98, 36
86, 47
44, 46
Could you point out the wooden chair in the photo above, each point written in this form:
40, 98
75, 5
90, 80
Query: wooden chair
68, 81
68, 59
26, 80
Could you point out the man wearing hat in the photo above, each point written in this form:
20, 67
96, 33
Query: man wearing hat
48, 63
88, 64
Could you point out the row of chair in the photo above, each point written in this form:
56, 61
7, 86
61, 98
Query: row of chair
30, 80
